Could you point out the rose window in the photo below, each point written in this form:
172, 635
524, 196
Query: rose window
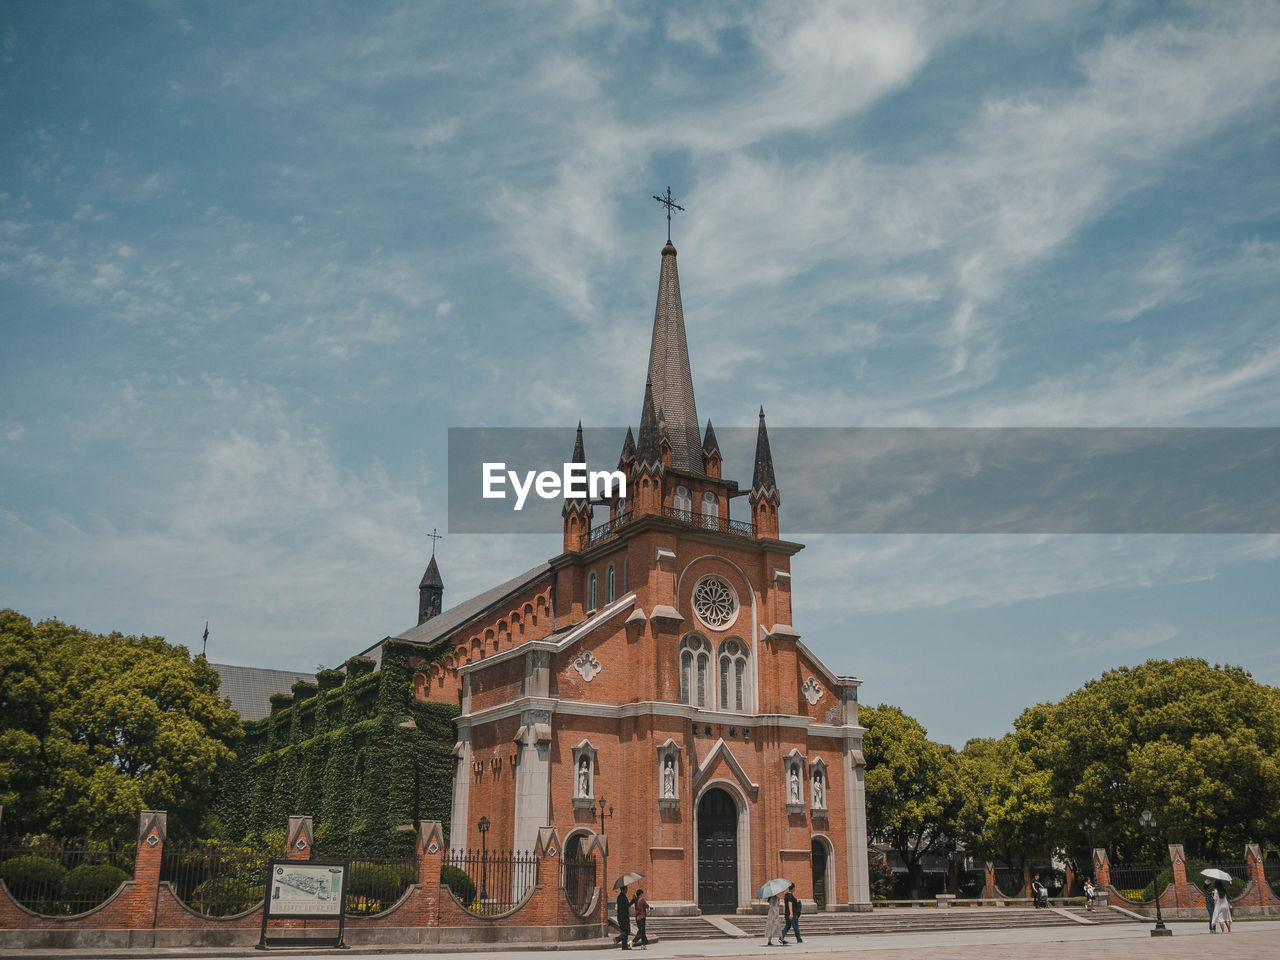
715, 603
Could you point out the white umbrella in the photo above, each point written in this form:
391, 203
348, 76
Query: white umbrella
773, 888
626, 880
1216, 874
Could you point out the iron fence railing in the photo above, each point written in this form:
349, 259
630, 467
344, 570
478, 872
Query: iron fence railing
1271, 870
215, 879
375, 883
1009, 881
578, 877
972, 882
61, 878
494, 882
610, 527
1135, 881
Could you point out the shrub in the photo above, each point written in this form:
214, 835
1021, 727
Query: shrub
34, 881
372, 887
463, 887
90, 884
223, 896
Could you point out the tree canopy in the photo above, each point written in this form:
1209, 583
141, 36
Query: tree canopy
95, 728
912, 787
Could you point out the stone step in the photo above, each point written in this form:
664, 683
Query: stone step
682, 928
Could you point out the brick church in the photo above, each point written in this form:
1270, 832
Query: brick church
652, 669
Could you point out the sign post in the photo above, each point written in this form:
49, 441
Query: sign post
306, 890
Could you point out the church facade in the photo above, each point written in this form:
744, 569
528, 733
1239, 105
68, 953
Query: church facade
651, 671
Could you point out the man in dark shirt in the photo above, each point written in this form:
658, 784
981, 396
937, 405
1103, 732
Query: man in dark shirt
792, 906
624, 920
1208, 902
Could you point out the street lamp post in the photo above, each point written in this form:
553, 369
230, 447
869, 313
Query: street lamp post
483, 827
604, 861
1087, 826
1148, 823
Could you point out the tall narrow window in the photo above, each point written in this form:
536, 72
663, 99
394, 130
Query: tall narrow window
733, 675
591, 590
610, 585
695, 671
710, 511
683, 504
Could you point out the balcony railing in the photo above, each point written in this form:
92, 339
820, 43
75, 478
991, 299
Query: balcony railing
602, 531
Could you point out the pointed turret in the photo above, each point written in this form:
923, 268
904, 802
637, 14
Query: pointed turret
669, 374
711, 459
576, 511
430, 592
628, 455
649, 443
764, 487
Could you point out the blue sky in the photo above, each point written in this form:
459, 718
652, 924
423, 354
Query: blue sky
255, 259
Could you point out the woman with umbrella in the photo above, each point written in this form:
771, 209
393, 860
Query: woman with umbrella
623, 906
1221, 902
773, 923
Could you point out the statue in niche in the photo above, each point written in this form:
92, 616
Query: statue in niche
669, 778
795, 784
584, 778
819, 792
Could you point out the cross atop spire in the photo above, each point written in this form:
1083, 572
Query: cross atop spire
433, 536
670, 204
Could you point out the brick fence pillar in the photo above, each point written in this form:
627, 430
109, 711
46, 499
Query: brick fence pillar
1101, 869
1026, 881
547, 850
989, 883
430, 860
152, 829
298, 839
1182, 896
1256, 872
1070, 878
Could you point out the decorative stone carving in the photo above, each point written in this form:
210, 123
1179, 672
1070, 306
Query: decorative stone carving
669, 779
793, 787
587, 665
812, 691
669, 774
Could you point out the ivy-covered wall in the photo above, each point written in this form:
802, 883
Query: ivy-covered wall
336, 750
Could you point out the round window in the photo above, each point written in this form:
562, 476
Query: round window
715, 602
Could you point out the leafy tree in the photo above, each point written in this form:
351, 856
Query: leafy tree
914, 795
1197, 744
1007, 802
95, 728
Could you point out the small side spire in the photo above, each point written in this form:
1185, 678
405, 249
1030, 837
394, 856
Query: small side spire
764, 488
649, 443
711, 458
576, 511
628, 455
430, 592
763, 482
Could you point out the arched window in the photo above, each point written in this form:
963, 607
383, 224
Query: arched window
733, 676
683, 504
610, 585
591, 590
710, 511
695, 671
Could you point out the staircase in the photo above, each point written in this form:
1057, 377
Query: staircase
887, 920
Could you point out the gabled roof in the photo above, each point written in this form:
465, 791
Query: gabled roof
450, 620
250, 688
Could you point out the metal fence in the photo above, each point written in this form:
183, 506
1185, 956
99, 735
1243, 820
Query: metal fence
60, 878
498, 881
1271, 870
1009, 881
1135, 881
971, 883
213, 879
375, 884
578, 877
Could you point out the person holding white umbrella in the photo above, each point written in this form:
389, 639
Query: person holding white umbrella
773, 923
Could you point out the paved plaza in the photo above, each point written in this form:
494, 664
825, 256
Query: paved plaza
1250, 940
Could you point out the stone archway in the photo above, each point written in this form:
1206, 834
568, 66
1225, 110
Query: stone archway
819, 860
717, 852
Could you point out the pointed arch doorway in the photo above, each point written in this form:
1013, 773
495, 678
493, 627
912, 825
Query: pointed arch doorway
717, 852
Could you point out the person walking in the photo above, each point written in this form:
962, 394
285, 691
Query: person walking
1090, 891
1038, 893
1208, 903
772, 923
623, 906
641, 906
1221, 907
792, 906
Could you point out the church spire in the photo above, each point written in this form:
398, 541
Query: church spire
430, 591
669, 375
764, 488
576, 511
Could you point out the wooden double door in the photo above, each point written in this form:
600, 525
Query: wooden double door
717, 853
